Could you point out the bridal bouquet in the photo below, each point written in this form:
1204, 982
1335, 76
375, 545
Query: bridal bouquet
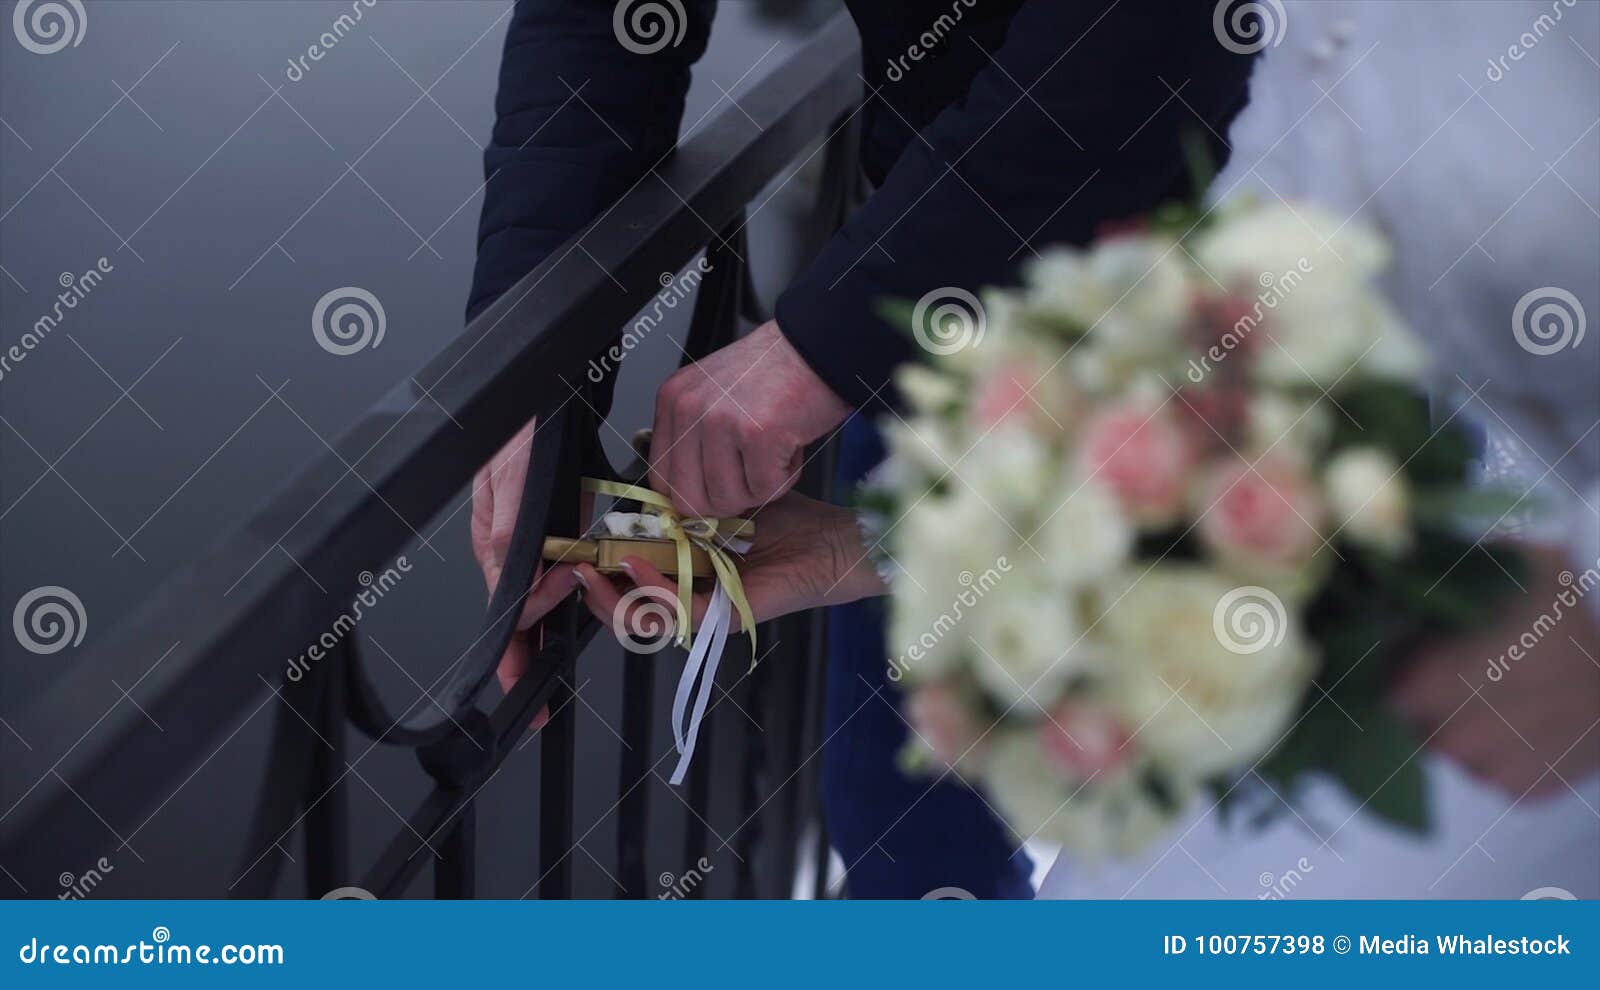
1162, 523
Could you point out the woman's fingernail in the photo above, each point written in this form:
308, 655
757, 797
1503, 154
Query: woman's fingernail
578, 575
628, 569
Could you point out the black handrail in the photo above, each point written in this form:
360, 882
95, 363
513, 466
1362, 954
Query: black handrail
200, 647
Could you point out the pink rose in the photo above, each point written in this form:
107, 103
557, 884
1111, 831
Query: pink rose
943, 722
1144, 457
1271, 515
1002, 393
1215, 416
1081, 740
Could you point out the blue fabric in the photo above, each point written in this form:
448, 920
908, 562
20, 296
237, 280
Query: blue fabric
900, 836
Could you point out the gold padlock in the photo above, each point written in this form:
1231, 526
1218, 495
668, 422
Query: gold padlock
605, 554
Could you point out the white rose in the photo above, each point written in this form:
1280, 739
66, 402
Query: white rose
1210, 691
939, 539
1130, 293
1310, 275
1088, 537
1027, 641
926, 390
1276, 238
1370, 499
1010, 470
1112, 814
1295, 426
922, 445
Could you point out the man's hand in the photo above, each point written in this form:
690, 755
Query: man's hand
1529, 713
731, 430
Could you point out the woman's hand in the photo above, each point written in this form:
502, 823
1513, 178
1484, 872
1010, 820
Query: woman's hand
1525, 725
806, 554
496, 498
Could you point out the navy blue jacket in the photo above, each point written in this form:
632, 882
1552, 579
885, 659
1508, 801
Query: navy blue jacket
1031, 123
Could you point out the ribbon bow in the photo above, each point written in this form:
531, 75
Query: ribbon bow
710, 535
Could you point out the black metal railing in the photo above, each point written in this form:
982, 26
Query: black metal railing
201, 647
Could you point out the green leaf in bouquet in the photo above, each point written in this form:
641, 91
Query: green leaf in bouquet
1394, 417
1452, 506
1357, 629
1202, 163
1373, 757
898, 313
1447, 584
1378, 763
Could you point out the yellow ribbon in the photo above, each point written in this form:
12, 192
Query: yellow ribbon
701, 531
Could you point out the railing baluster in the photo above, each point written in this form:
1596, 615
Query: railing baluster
696, 833
327, 824
556, 745
455, 872
751, 694
638, 760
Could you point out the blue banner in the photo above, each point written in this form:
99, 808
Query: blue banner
952, 943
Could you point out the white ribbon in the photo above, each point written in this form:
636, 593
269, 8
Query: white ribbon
702, 663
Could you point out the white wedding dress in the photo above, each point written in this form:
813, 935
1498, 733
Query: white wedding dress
1486, 180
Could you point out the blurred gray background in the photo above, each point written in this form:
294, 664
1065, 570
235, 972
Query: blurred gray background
226, 199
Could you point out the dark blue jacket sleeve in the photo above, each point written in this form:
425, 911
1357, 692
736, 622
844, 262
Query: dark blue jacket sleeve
579, 118
1073, 122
